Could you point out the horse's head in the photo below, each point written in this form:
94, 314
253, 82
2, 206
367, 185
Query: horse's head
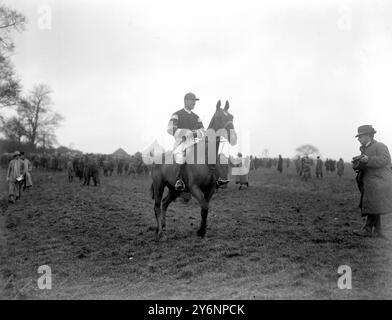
222, 123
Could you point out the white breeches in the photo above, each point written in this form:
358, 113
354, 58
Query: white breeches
179, 150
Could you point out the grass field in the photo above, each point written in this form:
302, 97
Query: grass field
282, 238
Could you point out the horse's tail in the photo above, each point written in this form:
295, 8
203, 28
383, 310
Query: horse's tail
152, 191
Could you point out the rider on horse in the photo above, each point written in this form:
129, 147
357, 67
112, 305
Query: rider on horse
185, 126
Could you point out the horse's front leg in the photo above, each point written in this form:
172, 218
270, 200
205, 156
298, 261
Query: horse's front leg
158, 192
171, 196
204, 205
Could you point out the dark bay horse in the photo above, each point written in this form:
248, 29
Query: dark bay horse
198, 175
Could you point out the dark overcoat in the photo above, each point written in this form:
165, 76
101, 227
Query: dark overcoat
377, 180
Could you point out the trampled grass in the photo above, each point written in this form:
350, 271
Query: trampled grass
282, 238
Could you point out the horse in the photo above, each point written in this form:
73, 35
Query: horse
198, 177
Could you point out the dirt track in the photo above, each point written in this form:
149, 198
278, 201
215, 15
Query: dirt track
281, 238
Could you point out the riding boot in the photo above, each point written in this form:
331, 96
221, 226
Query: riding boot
219, 182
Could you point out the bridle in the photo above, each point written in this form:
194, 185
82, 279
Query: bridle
227, 124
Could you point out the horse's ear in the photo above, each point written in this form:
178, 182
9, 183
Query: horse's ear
218, 105
226, 105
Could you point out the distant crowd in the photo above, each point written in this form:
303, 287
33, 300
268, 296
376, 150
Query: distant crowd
85, 167
302, 164
303, 167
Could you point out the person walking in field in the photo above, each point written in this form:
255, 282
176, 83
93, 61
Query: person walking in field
27, 168
15, 178
319, 168
374, 179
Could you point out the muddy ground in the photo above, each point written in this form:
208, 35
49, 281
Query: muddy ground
280, 239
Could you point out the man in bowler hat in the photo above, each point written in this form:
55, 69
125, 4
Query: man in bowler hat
374, 178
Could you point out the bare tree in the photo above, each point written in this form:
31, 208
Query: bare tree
307, 150
46, 138
9, 85
38, 118
13, 129
10, 21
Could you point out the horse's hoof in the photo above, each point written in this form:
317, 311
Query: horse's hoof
160, 237
201, 233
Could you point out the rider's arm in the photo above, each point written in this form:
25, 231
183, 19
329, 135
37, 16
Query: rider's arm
199, 132
172, 126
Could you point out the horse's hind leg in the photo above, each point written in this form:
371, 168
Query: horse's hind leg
158, 192
171, 196
204, 204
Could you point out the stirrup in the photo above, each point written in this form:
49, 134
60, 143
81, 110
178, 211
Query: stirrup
179, 185
222, 182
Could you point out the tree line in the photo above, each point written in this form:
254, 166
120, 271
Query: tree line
31, 122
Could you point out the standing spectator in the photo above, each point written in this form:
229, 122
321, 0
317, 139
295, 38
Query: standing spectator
120, 166
340, 167
14, 178
126, 167
241, 171
70, 170
332, 165
319, 168
91, 171
327, 165
374, 178
298, 166
305, 168
280, 164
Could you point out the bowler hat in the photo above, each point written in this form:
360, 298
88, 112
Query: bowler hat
365, 129
190, 96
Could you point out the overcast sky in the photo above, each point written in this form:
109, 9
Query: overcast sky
294, 72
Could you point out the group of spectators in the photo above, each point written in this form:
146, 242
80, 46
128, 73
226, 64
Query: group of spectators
303, 166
